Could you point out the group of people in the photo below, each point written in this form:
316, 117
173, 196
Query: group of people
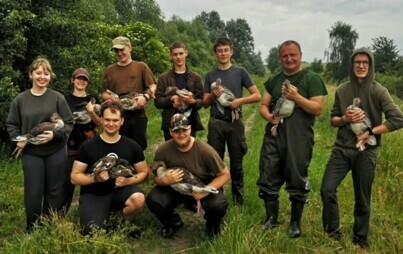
64, 157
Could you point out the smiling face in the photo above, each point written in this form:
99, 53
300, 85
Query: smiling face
182, 138
111, 121
80, 83
290, 58
40, 77
178, 56
124, 55
361, 65
223, 54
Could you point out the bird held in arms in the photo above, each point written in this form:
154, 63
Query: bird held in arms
81, 115
32, 137
115, 166
361, 127
189, 184
283, 108
225, 99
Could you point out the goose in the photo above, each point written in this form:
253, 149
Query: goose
225, 99
55, 123
361, 127
81, 115
283, 108
172, 90
189, 184
116, 167
128, 101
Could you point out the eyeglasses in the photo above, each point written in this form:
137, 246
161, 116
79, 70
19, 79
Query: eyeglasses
364, 63
224, 50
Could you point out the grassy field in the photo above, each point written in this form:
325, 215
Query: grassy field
242, 232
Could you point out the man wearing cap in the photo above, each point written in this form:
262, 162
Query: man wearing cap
79, 100
201, 160
129, 76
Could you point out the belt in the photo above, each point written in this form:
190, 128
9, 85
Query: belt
222, 118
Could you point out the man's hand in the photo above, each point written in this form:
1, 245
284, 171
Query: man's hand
102, 176
173, 176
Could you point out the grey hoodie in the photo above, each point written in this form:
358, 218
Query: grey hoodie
375, 100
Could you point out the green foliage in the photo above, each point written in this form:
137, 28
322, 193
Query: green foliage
214, 25
272, 60
146, 11
342, 43
316, 66
392, 82
386, 54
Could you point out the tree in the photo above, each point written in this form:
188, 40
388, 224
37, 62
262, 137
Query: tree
341, 46
215, 26
316, 66
146, 11
241, 36
386, 54
272, 60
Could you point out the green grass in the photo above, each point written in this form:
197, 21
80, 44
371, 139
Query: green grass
242, 232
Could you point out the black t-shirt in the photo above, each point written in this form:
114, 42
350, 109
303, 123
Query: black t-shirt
92, 150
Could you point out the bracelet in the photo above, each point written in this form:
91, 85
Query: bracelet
369, 129
145, 97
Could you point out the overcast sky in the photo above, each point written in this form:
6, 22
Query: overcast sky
307, 21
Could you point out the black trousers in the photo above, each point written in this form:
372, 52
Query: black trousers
95, 209
44, 178
162, 201
362, 166
221, 133
135, 127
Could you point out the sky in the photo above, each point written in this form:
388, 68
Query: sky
306, 21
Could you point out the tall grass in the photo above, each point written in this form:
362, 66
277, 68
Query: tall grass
242, 232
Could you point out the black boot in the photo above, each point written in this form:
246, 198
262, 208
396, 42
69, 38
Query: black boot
295, 222
271, 214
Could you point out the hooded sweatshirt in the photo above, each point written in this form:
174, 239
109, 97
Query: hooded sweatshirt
375, 100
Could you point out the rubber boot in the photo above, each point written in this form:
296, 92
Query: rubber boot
271, 214
295, 222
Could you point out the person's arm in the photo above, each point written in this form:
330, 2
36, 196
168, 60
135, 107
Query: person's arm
78, 176
265, 109
312, 105
254, 96
218, 182
172, 176
141, 175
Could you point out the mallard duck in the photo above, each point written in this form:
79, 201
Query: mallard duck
81, 115
283, 108
55, 123
361, 127
116, 167
172, 90
128, 101
225, 99
189, 184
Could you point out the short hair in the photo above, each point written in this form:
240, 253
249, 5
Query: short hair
177, 45
222, 41
113, 106
41, 61
289, 42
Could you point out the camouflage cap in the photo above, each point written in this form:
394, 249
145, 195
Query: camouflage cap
179, 121
120, 42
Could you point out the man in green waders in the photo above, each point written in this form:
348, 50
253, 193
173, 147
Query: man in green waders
286, 153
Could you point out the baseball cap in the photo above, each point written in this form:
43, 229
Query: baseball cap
81, 72
120, 42
179, 121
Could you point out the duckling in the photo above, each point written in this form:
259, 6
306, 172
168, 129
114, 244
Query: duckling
128, 101
115, 166
82, 116
189, 184
55, 123
283, 108
361, 127
172, 90
225, 99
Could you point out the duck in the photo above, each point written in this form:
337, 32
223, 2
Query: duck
128, 101
172, 90
56, 123
189, 183
115, 166
225, 99
361, 127
283, 108
81, 115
